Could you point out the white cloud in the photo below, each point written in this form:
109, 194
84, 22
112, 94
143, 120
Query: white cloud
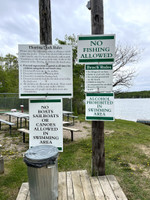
129, 20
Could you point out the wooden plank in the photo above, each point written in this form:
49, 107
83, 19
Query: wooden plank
70, 129
62, 186
6, 122
116, 188
28, 196
70, 187
77, 185
22, 195
86, 184
108, 192
98, 192
23, 130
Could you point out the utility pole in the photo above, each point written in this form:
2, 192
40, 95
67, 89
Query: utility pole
98, 149
45, 22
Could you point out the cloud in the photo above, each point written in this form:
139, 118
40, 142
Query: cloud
129, 20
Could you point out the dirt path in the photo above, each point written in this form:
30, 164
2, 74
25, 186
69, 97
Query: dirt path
13, 146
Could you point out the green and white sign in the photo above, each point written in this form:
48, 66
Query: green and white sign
96, 49
98, 78
46, 123
100, 106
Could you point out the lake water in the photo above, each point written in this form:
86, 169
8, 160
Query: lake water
132, 109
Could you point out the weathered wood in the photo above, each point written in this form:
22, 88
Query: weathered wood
8, 123
109, 194
116, 188
77, 185
87, 189
62, 187
28, 196
69, 187
97, 17
22, 195
23, 130
98, 151
71, 131
45, 22
99, 195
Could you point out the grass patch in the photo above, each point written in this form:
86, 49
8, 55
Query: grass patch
11, 180
126, 153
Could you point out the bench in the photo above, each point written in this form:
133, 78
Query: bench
8, 123
71, 131
24, 131
73, 117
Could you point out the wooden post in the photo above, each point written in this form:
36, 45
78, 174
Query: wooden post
45, 22
98, 149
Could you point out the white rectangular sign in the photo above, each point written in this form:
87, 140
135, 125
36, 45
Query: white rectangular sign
96, 49
100, 106
98, 78
45, 70
46, 123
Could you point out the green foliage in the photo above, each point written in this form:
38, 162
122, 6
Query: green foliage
126, 157
78, 76
139, 94
9, 74
15, 174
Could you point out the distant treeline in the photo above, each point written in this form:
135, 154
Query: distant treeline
139, 94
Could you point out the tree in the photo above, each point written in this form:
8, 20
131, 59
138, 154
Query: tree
9, 74
78, 75
123, 67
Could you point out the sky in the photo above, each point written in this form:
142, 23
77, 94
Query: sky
129, 20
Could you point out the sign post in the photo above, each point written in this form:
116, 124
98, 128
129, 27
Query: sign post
97, 51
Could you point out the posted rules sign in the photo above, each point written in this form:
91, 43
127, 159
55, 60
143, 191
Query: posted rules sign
45, 70
98, 78
46, 123
100, 106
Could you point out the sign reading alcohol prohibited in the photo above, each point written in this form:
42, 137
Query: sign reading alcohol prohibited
100, 106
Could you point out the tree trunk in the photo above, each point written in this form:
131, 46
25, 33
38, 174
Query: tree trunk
45, 22
98, 149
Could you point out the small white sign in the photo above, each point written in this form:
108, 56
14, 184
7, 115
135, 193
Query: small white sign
98, 78
100, 106
96, 49
45, 71
46, 123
